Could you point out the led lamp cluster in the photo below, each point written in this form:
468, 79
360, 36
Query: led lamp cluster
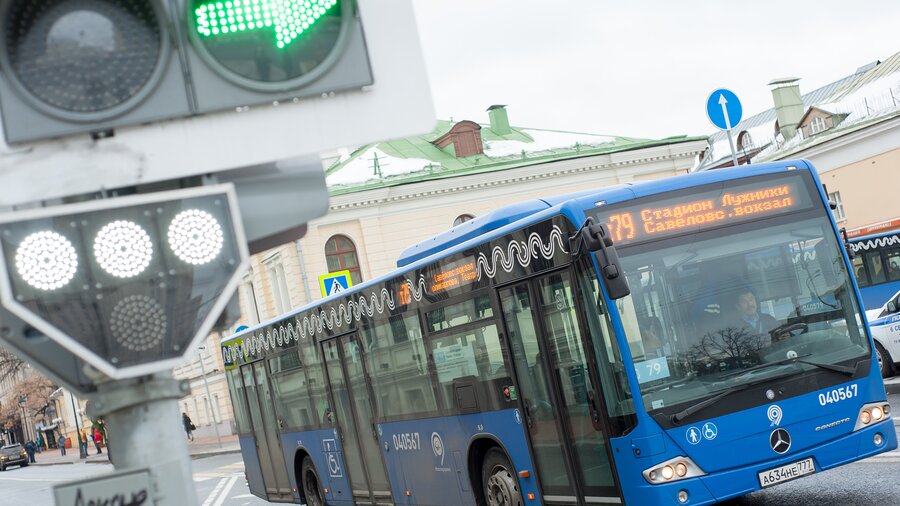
675, 469
289, 18
47, 260
872, 413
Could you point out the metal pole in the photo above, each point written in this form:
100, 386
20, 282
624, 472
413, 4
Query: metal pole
209, 397
145, 433
731, 144
82, 453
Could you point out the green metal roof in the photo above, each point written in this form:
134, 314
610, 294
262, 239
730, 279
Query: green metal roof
416, 159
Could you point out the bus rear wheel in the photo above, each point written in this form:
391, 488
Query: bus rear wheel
501, 488
310, 483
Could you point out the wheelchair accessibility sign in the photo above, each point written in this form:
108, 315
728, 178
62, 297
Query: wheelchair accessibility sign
335, 282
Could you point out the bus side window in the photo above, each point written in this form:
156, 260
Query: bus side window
893, 264
859, 270
876, 269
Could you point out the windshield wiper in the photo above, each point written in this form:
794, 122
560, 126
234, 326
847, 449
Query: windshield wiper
766, 365
843, 369
690, 410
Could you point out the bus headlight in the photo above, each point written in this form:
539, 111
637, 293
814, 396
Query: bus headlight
870, 413
675, 469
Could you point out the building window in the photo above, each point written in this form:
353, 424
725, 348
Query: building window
462, 218
839, 210
817, 125
249, 306
745, 142
278, 284
340, 255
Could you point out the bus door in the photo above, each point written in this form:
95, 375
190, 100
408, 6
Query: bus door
265, 430
563, 408
356, 420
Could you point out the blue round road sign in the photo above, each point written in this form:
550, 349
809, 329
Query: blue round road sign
724, 109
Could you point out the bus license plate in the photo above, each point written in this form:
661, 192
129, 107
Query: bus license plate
786, 473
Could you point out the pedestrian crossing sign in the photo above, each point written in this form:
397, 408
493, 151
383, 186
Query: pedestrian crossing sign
335, 282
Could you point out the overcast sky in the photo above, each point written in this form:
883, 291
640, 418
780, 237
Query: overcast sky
639, 68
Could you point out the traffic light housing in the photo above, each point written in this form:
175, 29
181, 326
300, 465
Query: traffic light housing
129, 284
93, 66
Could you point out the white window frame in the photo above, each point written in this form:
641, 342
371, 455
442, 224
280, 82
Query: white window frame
248, 297
278, 284
817, 125
839, 210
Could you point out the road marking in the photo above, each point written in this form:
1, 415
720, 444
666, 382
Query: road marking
224, 494
214, 494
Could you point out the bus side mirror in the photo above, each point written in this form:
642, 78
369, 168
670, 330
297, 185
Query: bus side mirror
595, 238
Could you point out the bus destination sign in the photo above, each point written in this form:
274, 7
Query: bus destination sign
672, 216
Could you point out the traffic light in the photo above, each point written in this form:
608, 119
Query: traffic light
127, 284
92, 66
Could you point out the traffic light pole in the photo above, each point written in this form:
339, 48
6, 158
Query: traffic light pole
145, 433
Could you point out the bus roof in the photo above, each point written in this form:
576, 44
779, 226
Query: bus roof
508, 218
874, 236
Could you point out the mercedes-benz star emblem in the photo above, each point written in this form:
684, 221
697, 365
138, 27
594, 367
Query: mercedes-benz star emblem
780, 441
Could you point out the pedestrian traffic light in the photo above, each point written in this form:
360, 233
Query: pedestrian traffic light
127, 284
77, 66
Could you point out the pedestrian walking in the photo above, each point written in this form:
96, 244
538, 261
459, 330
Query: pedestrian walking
39, 443
61, 441
189, 426
98, 438
29, 447
84, 441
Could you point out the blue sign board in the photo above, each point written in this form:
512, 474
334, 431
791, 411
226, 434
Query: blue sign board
724, 109
334, 282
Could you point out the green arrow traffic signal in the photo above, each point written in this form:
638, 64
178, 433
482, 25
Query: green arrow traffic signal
289, 18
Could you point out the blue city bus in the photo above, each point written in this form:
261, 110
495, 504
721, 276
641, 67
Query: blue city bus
681, 341
876, 265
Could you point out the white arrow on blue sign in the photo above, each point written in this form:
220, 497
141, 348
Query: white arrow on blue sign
724, 109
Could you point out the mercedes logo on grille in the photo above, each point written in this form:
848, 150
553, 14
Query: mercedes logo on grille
780, 441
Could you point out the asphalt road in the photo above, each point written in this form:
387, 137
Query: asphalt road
219, 481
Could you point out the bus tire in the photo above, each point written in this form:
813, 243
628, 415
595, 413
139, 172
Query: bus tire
885, 362
501, 486
309, 478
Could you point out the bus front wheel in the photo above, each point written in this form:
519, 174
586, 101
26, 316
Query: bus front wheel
310, 482
501, 488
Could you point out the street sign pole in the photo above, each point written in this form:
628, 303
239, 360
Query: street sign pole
209, 397
723, 102
145, 432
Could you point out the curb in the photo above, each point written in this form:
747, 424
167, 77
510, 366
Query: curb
215, 453
893, 387
106, 461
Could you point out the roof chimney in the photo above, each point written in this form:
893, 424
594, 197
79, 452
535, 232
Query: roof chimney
499, 119
788, 105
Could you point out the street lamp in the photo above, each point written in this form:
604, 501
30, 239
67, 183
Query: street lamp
209, 398
22, 400
82, 450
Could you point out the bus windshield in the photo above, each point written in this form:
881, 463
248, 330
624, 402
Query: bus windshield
708, 308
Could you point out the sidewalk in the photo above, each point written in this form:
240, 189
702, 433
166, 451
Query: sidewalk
198, 448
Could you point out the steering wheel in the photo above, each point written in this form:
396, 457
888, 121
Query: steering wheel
787, 330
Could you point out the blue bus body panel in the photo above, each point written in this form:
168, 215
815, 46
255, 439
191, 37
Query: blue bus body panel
251, 466
873, 297
324, 447
738, 447
428, 457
